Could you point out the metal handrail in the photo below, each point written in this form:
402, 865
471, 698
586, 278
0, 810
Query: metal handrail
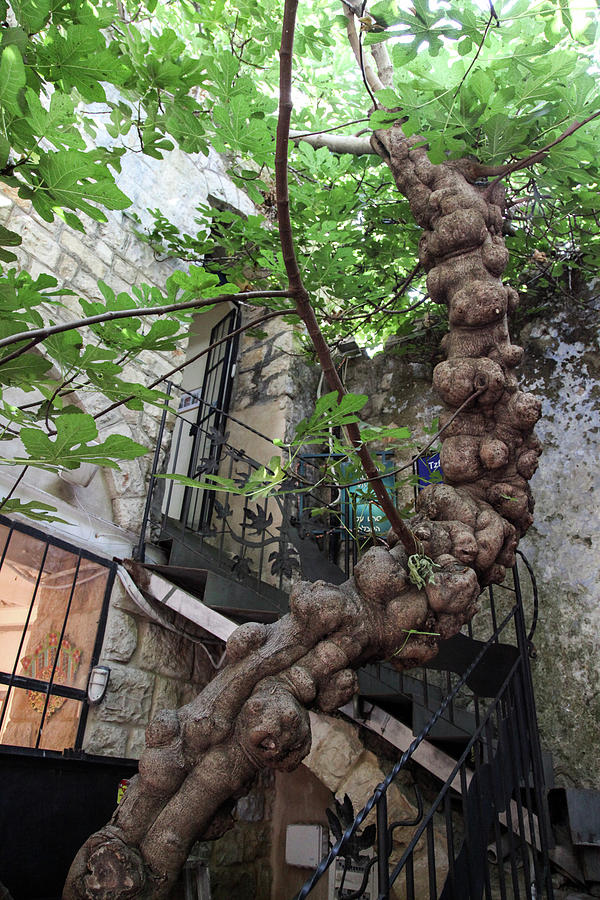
513, 709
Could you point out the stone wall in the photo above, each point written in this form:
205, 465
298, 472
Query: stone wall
151, 668
239, 862
111, 251
562, 366
249, 862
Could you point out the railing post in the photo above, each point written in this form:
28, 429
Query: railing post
383, 852
139, 552
534, 737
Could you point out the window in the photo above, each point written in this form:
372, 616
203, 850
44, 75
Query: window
53, 604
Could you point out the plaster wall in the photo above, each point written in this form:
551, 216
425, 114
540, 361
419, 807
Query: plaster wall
562, 366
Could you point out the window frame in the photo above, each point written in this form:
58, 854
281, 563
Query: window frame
50, 688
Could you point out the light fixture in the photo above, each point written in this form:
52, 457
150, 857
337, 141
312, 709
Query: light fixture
98, 683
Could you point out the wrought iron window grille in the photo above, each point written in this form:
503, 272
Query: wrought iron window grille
41, 682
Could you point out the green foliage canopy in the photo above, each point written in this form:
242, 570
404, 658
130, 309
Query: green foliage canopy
496, 83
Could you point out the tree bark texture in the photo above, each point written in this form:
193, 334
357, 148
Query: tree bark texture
200, 758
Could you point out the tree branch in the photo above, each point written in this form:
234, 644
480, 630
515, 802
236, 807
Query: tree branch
303, 306
539, 154
38, 335
370, 77
179, 368
382, 60
337, 143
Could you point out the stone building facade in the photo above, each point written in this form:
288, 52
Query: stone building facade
150, 667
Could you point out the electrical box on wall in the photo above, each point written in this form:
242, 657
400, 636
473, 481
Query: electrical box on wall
352, 880
305, 845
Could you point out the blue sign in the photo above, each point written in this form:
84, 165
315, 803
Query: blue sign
369, 517
429, 470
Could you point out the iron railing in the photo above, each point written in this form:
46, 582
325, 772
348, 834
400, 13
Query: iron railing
486, 833
353, 519
246, 539
492, 806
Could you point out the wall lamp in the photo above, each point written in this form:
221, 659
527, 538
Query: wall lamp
98, 683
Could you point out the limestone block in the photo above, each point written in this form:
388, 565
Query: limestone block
138, 253
165, 652
136, 743
360, 783
251, 808
215, 185
118, 285
227, 850
166, 695
252, 359
121, 600
36, 267
94, 264
128, 513
102, 739
6, 207
157, 365
106, 253
128, 697
23, 259
73, 244
13, 194
39, 243
335, 748
150, 421
120, 639
257, 842
421, 866
67, 266
361, 780
123, 269
126, 481
86, 285
280, 384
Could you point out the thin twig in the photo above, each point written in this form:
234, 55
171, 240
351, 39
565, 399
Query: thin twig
297, 136
303, 305
368, 75
537, 156
494, 14
14, 487
474, 60
179, 368
38, 335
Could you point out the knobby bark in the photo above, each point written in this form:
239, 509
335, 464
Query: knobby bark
202, 757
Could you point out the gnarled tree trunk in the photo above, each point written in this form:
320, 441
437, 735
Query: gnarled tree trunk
200, 758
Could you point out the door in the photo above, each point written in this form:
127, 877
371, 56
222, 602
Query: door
210, 422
